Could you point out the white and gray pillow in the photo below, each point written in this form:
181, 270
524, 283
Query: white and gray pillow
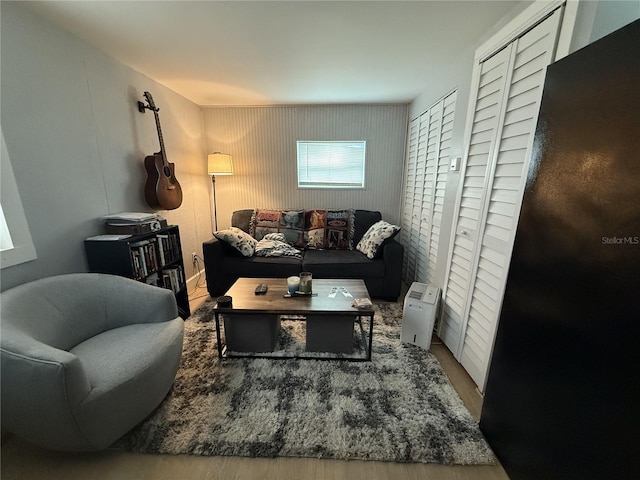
274, 247
238, 239
375, 237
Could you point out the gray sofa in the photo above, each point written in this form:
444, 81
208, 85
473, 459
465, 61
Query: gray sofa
85, 357
382, 275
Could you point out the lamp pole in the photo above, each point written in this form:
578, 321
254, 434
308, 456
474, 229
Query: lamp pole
218, 164
215, 204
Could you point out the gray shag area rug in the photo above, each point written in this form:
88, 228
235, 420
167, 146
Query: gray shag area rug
399, 407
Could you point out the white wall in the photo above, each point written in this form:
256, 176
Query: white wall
262, 141
77, 143
597, 18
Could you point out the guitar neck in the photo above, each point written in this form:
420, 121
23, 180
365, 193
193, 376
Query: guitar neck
162, 152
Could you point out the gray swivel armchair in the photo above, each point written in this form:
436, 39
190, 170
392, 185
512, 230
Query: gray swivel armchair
85, 357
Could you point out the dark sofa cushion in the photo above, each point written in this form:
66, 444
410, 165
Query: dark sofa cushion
341, 264
242, 219
261, 266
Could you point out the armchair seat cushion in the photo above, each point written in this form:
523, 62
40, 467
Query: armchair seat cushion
126, 354
128, 368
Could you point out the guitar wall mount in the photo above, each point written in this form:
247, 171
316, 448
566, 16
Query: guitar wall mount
142, 107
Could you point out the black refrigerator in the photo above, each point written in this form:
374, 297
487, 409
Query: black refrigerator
562, 399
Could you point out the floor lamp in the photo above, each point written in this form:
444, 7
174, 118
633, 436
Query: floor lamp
218, 164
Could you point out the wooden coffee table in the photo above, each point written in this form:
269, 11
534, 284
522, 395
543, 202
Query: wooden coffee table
254, 320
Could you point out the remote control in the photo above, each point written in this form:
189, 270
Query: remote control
261, 289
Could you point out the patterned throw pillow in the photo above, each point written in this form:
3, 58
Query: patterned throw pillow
288, 222
239, 240
375, 237
339, 229
292, 226
314, 225
264, 223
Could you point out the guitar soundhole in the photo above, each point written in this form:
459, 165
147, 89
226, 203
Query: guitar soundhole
167, 171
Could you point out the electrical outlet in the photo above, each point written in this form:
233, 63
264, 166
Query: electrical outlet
194, 257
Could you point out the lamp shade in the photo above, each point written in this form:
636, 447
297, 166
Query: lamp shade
220, 164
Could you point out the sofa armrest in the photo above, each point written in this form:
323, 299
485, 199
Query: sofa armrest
213, 252
393, 255
41, 391
127, 301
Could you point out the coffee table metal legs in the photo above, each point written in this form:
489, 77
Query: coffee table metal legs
218, 339
367, 343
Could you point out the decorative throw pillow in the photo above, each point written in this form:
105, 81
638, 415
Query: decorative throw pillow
239, 240
375, 237
292, 226
288, 222
339, 229
314, 225
265, 222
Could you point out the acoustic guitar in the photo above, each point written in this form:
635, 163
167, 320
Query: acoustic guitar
162, 189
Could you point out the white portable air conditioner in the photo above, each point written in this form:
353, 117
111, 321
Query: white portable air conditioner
419, 314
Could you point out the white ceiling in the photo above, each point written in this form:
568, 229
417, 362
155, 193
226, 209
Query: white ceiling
287, 52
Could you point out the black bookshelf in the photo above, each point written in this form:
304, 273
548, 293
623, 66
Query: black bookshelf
154, 258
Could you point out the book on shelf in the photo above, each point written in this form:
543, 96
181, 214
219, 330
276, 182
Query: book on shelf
169, 248
153, 279
144, 257
173, 278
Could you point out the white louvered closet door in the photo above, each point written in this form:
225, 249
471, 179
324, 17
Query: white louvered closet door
415, 246
492, 81
441, 174
486, 225
428, 157
432, 147
414, 189
409, 188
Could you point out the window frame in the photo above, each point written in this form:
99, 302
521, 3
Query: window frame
23, 249
328, 185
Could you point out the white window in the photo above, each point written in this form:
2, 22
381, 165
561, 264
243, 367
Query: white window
5, 237
16, 245
331, 164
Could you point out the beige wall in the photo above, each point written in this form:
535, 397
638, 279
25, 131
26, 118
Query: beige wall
262, 141
77, 143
